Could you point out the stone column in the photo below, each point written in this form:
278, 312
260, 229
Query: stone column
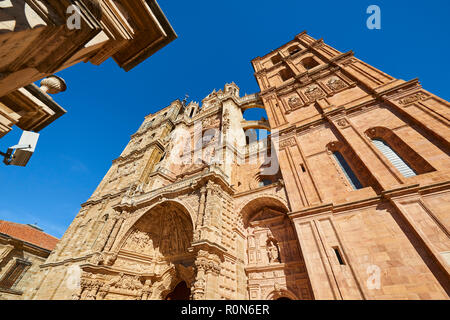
114, 233
99, 245
212, 280
147, 290
205, 285
201, 212
103, 291
209, 192
199, 286
94, 287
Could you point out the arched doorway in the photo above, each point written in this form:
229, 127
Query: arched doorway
272, 244
180, 292
162, 234
156, 247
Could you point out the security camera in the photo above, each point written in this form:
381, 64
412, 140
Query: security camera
20, 154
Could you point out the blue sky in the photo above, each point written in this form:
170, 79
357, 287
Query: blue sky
216, 42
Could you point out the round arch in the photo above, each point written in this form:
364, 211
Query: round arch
281, 293
170, 279
252, 106
263, 201
176, 208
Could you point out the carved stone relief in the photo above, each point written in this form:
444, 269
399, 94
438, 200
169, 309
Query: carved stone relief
413, 98
314, 92
336, 84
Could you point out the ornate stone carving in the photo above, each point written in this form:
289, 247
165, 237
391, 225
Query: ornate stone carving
210, 122
53, 84
336, 84
139, 241
295, 102
413, 98
226, 120
314, 92
164, 232
342, 123
287, 143
124, 281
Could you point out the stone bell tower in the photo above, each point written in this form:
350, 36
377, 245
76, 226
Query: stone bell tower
365, 162
184, 212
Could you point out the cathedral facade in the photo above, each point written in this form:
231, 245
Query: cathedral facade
347, 198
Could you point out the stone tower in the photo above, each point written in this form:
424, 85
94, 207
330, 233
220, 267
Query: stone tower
192, 208
365, 163
348, 198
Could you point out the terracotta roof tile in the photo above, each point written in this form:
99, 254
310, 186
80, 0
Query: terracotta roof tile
29, 234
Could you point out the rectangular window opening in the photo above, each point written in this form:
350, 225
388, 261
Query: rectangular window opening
339, 256
11, 277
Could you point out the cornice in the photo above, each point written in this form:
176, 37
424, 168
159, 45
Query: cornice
335, 60
104, 197
65, 261
24, 245
277, 184
303, 80
386, 195
135, 153
398, 89
208, 245
296, 38
152, 127
176, 188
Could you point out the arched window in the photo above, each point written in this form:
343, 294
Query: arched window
347, 170
394, 158
294, 49
309, 63
275, 59
286, 74
356, 172
404, 158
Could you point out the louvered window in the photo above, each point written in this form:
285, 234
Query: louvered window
394, 158
348, 172
13, 274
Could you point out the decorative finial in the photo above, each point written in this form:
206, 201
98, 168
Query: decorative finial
185, 100
53, 84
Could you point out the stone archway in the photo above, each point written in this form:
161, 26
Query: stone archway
281, 294
180, 292
274, 261
156, 249
163, 233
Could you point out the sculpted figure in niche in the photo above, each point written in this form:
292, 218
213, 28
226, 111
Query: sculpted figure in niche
273, 250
